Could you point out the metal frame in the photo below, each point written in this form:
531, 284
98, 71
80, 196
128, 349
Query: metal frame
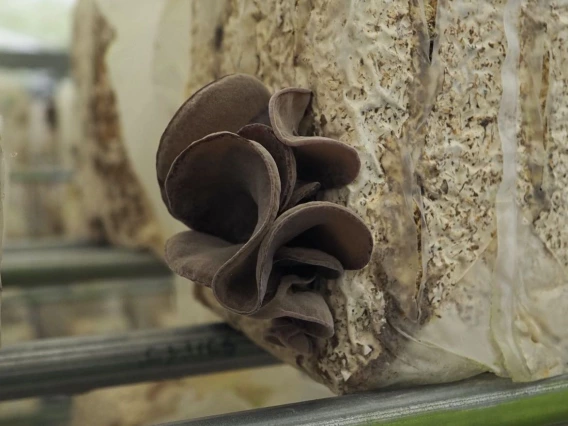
68, 366
485, 400
47, 244
51, 265
56, 62
44, 176
73, 365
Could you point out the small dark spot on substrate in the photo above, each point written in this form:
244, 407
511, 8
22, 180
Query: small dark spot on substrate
334, 341
484, 122
323, 120
219, 34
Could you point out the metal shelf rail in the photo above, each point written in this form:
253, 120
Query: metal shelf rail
485, 400
55, 61
49, 264
67, 366
46, 176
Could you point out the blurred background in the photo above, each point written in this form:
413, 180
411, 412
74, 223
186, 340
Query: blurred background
73, 199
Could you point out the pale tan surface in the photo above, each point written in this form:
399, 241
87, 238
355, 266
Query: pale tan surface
461, 181
431, 134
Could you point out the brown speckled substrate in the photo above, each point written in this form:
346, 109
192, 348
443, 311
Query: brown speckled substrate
416, 88
457, 109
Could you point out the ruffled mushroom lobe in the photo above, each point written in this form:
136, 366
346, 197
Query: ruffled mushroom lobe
298, 313
320, 225
299, 262
310, 241
226, 104
282, 155
198, 256
227, 190
319, 159
289, 333
303, 191
294, 260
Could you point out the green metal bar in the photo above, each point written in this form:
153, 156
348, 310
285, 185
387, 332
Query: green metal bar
48, 244
41, 176
482, 401
77, 264
56, 61
94, 290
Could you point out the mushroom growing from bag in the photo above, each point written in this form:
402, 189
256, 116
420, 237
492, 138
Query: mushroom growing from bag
234, 169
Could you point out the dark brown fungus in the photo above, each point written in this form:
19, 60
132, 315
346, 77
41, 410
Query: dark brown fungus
297, 315
303, 191
282, 155
224, 185
299, 259
227, 175
227, 187
226, 104
293, 334
320, 225
330, 162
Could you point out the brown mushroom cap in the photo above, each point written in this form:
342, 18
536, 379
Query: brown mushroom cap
282, 155
226, 104
197, 256
302, 191
226, 188
301, 312
224, 185
320, 225
324, 160
284, 332
296, 312
297, 334
320, 263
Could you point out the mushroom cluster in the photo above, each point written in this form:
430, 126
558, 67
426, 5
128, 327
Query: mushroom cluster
232, 166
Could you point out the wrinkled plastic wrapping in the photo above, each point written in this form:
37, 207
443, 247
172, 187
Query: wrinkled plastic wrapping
530, 288
458, 110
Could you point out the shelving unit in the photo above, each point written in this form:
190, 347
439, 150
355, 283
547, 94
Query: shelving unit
67, 366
